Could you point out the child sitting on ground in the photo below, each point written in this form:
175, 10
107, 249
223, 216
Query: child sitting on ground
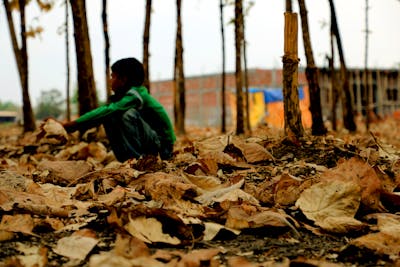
136, 124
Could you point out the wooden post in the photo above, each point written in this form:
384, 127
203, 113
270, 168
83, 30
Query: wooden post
372, 103
358, 93
293, 123
379, 92
396, 89
385, 85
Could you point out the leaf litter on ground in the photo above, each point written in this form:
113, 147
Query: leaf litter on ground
259, 200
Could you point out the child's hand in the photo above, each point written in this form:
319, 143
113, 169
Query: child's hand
70, 126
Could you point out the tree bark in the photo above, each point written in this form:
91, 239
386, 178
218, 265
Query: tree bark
238, 70
146, 42
346, 94
179, 93
293, 123
288, 5
86, 87
68, 100
106, 49
367, 88
246, 76
335, 95
223, 104
318, 127
21, 57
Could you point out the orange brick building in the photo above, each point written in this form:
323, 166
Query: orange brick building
203, 94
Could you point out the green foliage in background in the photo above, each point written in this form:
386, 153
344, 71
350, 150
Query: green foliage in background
8, 105
50, 104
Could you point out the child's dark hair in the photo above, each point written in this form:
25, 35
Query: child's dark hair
130, 68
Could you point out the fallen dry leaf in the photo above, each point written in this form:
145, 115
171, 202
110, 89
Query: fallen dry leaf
382, 243
130, 247
333, 199
253, 152
19, 223
213, 229
341, 225
200, 257
288, 190
51, 132
32, 256
76, 246
62, 172
241, 217
149, 230
208, 183
363, 174
107, 259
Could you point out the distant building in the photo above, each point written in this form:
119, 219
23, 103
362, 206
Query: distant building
383, 85
203, 94
8, 116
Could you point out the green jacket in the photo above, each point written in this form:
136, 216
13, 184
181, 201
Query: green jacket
149, 108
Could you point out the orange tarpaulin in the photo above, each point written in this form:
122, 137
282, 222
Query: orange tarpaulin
272, 113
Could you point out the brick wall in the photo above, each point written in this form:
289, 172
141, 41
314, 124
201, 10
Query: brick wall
203, 94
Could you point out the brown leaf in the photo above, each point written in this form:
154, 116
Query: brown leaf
130, 247
238, 261
264, 191
19, 223
62, 172
288, 190
106, 259
196, 168
212, 229
51, 132
116, 195
332, 206
212, 144
240, 217
333, 199
224, 194
388, 223
149, 230
32, 255
6, 235
361, 173
254, 152
164, 187
77, 246
209, 164
341, 225
14, 181
200, 257
381, 242
208, 183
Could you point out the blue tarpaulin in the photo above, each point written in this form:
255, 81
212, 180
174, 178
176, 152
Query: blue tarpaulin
274, 94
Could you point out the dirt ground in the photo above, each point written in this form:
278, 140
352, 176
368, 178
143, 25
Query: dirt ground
260, 246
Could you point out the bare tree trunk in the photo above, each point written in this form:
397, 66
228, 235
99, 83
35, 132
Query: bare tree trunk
335, 94
246, 76
288, 6
293, 123
367, 88
318, 127
347, 103
179, 75
67, 60
238, 71
106, 48
223, 104
86, 87
146, 42
21, 57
